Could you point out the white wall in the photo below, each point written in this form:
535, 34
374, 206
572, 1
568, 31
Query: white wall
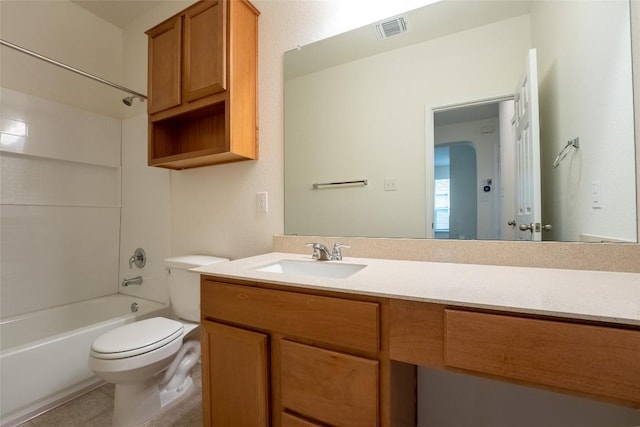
395, 93
451, 399
568, 73
67, 33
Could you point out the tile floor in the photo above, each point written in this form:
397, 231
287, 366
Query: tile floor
95, 409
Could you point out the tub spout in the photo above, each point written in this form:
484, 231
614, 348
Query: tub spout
133, 281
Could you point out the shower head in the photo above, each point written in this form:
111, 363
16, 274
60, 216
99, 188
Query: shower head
128, 101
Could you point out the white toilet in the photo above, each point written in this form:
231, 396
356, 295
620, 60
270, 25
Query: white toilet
150, 360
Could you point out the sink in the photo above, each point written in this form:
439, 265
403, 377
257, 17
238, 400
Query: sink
332, 270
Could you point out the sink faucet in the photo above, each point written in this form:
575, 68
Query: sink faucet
322, 253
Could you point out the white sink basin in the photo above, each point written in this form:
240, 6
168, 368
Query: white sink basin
333, 270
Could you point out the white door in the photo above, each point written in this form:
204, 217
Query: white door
527, 151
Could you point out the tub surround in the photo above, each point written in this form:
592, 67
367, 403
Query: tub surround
611, 297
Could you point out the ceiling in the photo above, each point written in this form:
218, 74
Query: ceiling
118, 12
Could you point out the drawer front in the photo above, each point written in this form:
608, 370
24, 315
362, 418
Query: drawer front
289, 420
592, 359
346, 323
335, 388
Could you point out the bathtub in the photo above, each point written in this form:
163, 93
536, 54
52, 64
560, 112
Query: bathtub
44, 355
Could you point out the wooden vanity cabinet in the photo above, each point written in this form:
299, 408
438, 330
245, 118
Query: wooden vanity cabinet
202, 85
328, 362
592, 360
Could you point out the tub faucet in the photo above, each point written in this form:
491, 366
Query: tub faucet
133, 281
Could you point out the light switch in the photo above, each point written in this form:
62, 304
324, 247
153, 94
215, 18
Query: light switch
596, 195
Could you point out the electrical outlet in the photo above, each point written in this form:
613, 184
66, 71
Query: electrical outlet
390, 184
262, 202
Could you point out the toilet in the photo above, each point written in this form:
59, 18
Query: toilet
150, 360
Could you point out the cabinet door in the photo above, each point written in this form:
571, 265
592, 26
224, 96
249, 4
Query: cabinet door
164, 68
234, 377
204, 49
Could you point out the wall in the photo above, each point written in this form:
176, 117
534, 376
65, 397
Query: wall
213, 208
60, 211
376, 152
604, 125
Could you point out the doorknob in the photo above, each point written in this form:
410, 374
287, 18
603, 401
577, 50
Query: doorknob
525, 227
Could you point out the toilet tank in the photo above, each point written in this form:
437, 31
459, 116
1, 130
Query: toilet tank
184, 285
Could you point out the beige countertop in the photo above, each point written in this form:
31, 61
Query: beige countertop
577, 294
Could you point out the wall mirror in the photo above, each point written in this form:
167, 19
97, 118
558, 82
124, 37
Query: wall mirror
371, 111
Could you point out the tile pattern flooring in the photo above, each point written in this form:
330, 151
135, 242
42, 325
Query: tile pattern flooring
95, 409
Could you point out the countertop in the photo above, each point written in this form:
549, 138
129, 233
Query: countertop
612, 297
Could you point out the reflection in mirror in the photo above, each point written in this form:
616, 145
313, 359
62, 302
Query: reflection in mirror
367, 112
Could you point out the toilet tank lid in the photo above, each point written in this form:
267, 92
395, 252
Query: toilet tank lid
192, 261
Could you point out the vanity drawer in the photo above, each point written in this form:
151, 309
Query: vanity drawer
335, 388
597, 360
341, 322
289, 420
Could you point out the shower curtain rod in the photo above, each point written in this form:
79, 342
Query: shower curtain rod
67, 67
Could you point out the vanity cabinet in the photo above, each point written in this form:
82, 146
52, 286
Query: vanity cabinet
594, 360
327, 360
202, 85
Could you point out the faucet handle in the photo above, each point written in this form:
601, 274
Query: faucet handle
337, 251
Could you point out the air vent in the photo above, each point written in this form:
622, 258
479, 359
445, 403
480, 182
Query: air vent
391, 27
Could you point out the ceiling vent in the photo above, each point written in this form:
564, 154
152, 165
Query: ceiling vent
391, 27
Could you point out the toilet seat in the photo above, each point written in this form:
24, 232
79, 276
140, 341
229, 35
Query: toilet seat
137, 338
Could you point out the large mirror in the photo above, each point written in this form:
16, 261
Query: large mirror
380, 114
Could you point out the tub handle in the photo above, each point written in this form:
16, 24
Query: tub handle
133, 281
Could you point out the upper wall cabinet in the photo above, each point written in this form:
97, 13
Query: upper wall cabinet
202, 85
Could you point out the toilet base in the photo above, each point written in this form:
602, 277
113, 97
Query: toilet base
135, 403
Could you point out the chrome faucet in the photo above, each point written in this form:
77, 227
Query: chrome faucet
133, 281
322, 253
139, 258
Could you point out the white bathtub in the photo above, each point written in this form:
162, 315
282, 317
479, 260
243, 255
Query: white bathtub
44, 355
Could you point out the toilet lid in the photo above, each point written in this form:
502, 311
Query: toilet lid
136, 338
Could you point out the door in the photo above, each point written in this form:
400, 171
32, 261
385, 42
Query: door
205, 33
527, 151
165, 74
234, 377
